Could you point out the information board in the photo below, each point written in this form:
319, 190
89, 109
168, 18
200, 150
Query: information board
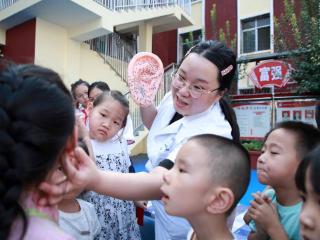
296, 110
254, 119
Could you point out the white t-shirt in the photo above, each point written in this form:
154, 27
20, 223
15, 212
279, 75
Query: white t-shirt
165, 140
83, 225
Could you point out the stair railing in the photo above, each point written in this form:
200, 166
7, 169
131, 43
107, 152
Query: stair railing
6, 3
115, 52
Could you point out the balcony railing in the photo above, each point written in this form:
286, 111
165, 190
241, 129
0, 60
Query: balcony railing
118, 5
6, 3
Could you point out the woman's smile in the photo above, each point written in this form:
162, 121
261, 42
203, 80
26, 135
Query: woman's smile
180, 103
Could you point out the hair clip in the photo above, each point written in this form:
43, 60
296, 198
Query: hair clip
226, 70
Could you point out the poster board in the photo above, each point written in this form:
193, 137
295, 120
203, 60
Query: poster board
254, 119
296, 110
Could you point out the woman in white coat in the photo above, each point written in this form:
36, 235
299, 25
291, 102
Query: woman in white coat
194, 106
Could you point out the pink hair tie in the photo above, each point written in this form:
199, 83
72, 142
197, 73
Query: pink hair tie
226, 70
145, 72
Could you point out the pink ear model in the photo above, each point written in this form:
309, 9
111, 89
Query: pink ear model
145, 72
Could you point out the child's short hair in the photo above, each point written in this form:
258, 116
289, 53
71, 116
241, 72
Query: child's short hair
307, 136
312, 159
118, 96
229, 163
104, 87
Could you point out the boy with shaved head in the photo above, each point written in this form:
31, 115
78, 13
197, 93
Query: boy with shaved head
209, 177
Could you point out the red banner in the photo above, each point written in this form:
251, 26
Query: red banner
270, 73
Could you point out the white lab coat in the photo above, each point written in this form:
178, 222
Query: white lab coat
128, 129
164, 142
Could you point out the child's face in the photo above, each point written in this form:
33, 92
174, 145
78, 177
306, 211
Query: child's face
94, 93
81, 94
55, 173
186, 186
278, 162
309, 217
106, 119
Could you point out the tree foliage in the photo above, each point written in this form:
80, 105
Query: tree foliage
222, 34
299, 33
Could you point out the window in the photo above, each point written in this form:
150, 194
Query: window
190, 39
255, 34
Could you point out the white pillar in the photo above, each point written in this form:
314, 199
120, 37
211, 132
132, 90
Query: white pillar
145, 37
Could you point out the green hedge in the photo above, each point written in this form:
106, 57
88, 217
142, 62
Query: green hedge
252, 145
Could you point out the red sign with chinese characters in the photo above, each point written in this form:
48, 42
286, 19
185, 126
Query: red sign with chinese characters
270, 73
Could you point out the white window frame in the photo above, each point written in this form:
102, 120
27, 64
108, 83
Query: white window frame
255, 29
256, 14
180, 43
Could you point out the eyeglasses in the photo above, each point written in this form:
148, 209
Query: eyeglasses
195, 91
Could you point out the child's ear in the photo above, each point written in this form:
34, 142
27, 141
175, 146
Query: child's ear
220, 200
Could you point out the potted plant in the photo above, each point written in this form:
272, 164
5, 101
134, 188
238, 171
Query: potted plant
254, 149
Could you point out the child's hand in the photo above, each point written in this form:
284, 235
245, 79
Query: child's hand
247, 218
82, 130
54, 184
263, 212
81, 172
89, 107
141, 204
